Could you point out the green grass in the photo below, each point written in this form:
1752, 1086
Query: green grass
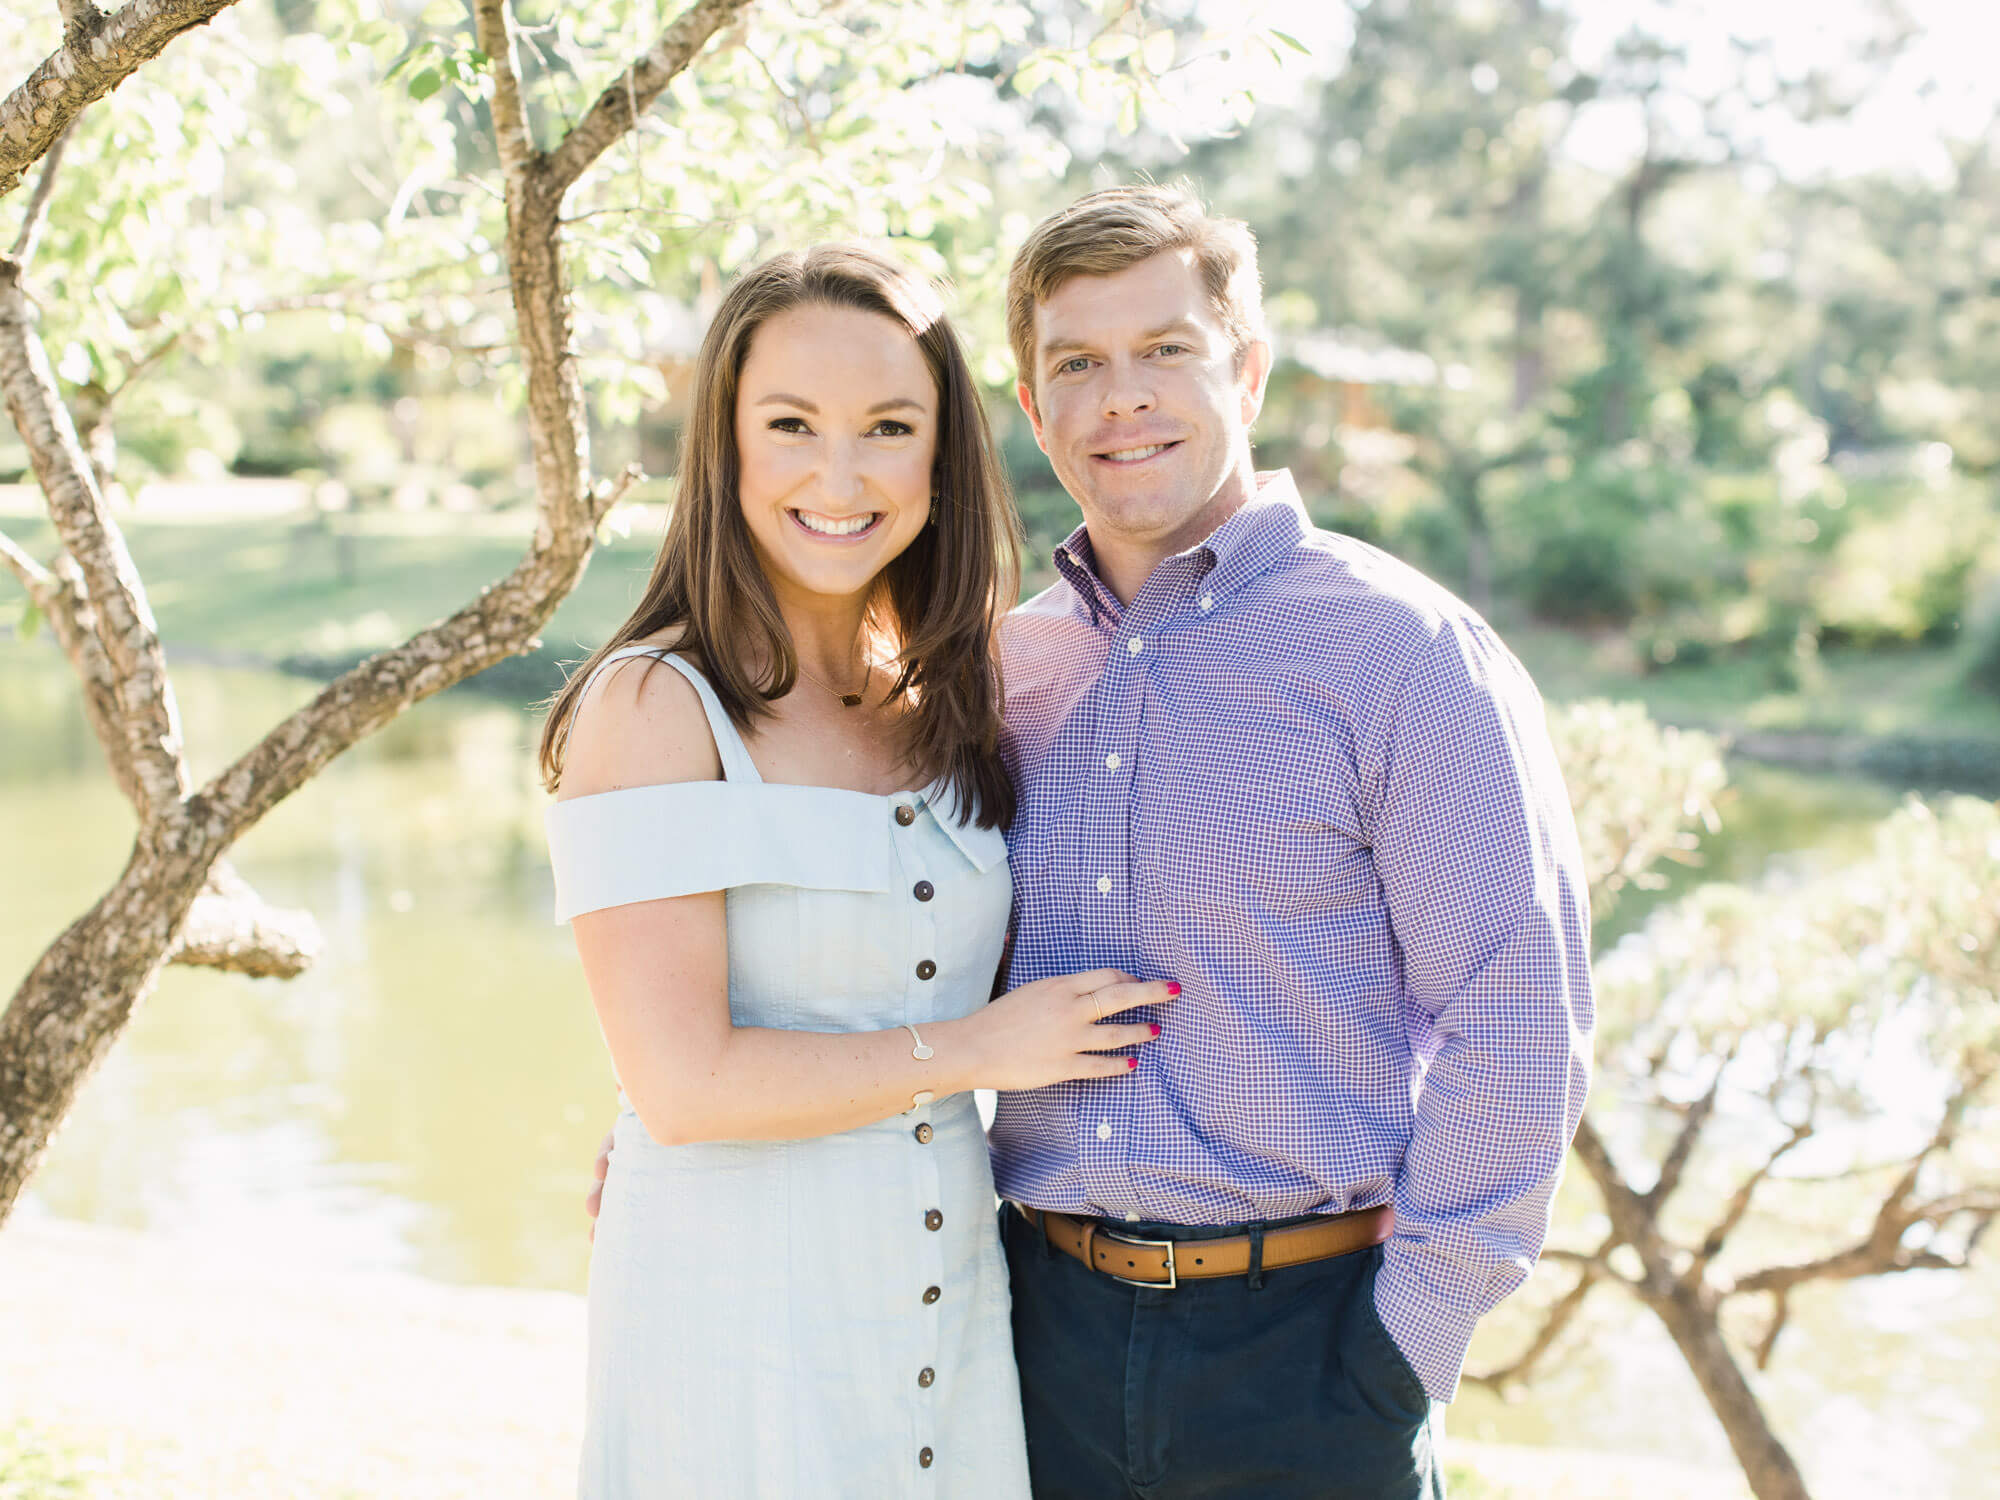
33, 1467
1916, 691
266, 588
275, 587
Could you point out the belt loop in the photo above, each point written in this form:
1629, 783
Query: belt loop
1090, 1243
1256, 1257
1042, 1223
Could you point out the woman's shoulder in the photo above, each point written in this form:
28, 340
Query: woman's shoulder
639, 722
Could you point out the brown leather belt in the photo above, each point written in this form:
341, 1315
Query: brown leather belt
1167, 1263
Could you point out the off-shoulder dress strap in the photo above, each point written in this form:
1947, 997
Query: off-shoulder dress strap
736, 763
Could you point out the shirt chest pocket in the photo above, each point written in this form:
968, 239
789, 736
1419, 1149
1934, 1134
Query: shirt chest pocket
1252, 822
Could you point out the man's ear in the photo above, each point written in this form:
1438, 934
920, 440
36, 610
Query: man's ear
1254, 375
1025, 394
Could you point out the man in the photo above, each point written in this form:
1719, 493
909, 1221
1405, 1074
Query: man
1281, 768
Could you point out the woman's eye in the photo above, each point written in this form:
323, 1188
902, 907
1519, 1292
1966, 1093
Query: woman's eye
789, 424
890, 428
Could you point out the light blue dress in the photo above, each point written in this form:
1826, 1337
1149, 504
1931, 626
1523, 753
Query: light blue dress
811, 1319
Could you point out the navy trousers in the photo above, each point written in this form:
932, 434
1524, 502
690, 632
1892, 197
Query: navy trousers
1222, 1389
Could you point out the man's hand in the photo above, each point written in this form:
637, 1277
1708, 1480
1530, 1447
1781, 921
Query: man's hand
594, 1199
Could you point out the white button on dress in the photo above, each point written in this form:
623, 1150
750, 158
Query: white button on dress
757, 1307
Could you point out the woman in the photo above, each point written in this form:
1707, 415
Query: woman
783, 860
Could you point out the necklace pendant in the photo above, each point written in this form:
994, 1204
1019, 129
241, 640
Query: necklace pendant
850, 700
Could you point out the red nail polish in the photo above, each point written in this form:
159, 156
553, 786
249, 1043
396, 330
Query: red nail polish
1130, 1063
1173, 987
1156, 1032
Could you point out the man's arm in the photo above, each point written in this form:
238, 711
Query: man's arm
1477, 853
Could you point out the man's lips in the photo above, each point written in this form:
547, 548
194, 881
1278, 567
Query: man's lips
1132, 455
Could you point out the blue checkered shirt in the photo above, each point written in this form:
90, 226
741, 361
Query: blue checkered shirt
1312, 786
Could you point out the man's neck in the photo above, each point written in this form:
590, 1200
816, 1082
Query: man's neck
1125, 562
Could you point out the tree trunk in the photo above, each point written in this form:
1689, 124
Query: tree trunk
1688, 1307
177, 900
1691, 1318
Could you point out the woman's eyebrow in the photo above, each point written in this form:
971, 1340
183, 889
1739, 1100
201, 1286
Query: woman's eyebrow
894, 403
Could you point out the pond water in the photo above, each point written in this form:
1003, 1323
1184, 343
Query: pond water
429, 1095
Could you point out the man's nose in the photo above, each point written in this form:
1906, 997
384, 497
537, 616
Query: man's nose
1128, 392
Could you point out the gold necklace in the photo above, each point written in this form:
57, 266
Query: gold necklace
847, 700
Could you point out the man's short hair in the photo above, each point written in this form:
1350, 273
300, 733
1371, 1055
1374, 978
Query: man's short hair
1107, 231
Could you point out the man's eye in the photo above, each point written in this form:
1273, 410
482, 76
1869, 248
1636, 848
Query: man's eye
1071, 366
1172, 349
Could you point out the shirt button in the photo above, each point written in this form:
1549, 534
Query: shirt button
933, 1220
1104, 885
1111, 761
1104, 1131
926, 969
924, 1458
925, 1376
923, 890
1135, 645
923, 1135
931, 1294
905, 814
1207, 602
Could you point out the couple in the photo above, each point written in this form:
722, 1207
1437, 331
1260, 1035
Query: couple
1291, 1024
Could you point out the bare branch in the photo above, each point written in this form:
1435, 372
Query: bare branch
1781, 1312
124, 620
37, 580
230, 928
29, 239
1739, 1201
493, 20
1559, 1317
90, 64
634, 91
1674, 1164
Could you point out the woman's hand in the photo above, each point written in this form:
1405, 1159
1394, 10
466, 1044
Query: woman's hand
1059, 1028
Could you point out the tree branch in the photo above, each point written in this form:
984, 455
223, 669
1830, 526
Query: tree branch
1674, 1164
635, 90
91, 63
150, 723
29, 239
80, 19
1559, 1317
37, 580
1739, 1202
230, 928
493, 21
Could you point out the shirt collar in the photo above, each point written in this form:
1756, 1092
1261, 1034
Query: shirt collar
1270, 524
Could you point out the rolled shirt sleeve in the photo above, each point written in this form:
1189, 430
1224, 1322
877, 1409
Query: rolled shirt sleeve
1477, 853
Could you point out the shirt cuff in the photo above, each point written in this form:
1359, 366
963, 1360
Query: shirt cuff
1431, 1328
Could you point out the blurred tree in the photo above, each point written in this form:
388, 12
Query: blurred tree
259, 170
1857, 1013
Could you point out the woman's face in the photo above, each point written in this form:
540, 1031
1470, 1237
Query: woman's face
836, 429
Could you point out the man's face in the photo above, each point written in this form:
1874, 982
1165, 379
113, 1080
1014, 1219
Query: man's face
1141, 403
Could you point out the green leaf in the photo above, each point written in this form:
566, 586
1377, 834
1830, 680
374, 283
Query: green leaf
31, 622
1291, 41
426, 83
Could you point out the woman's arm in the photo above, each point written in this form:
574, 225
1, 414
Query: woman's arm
658, 973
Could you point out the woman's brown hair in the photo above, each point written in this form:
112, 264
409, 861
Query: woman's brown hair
936, 606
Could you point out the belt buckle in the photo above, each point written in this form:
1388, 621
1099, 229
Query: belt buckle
1173, 1280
